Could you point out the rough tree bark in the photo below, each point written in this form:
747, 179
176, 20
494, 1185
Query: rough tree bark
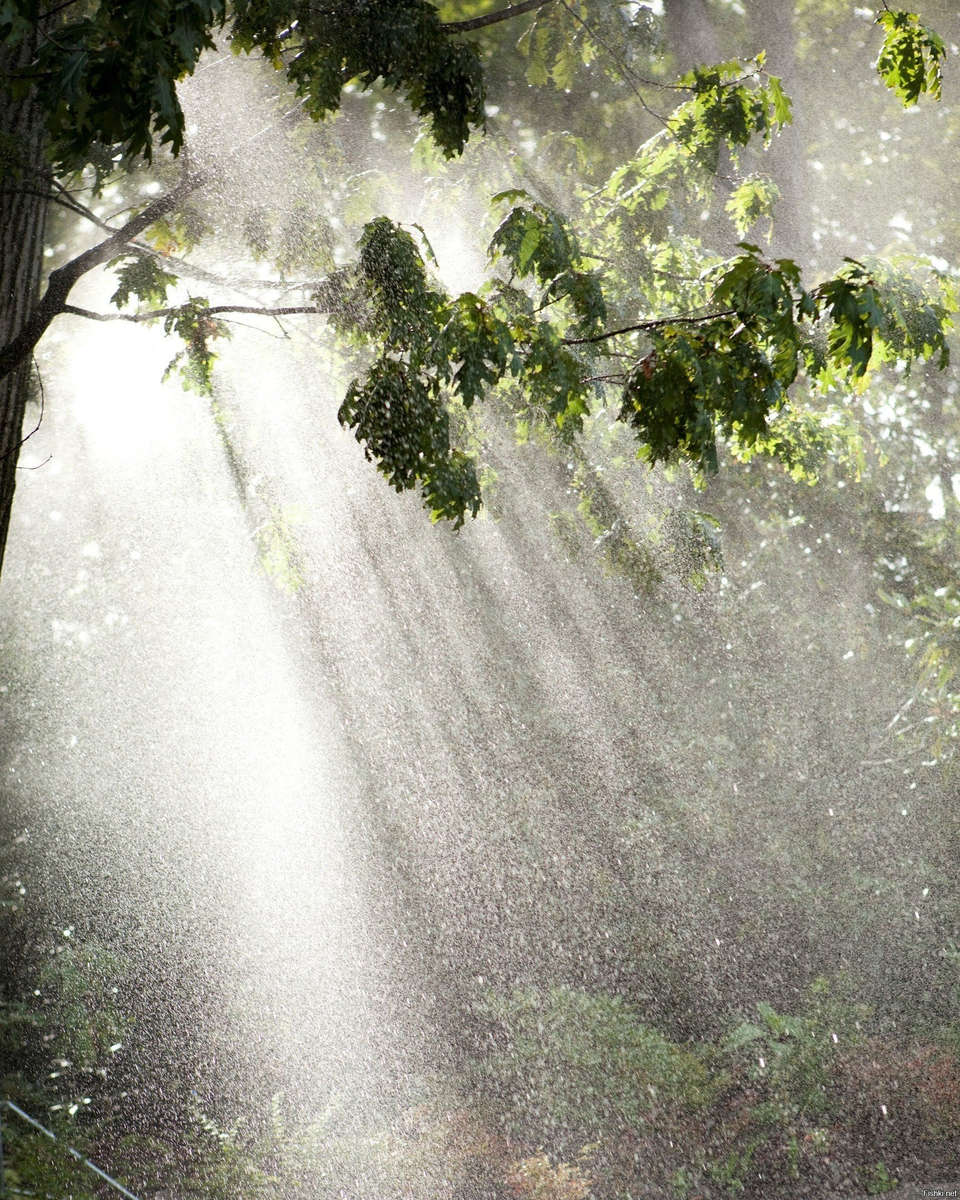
23, 211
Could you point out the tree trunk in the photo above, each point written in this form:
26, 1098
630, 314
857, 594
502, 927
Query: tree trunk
22, 224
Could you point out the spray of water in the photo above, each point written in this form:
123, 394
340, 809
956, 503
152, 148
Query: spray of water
332, 780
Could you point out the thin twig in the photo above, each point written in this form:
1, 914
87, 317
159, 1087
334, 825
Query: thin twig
54, 42
622, 66
14, 449
64, 196
66, 200
280, 337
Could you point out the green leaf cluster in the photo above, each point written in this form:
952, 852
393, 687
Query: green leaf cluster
751, 200
911, 58
722, 374
194, 363
567, 1060
883, 311
728, 109
141, 275
320, 48
433, 351
177, 232
727, 374
645, 196
795, 1056
537, 243
803, 439
108, 75
563, 38
304, 241
538, 335
398, 409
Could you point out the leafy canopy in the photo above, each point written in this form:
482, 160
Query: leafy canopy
107, 79
570, 319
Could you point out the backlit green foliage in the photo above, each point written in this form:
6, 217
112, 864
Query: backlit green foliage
804, 440
558, 46
881, 312
752, 200
732, 104
575, 310
911, 58
537, 243
277, 552
108, 78
194, 363
723, 373
726, 111
141, 276
398, 408
177, 233
320, 48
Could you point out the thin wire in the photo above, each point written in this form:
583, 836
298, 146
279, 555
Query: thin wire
70, 1150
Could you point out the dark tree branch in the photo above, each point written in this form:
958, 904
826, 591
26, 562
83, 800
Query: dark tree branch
67, 199
61, 281
315, 310
644, 326
214, 310
52, 12
63, 196
180, 266
494, 18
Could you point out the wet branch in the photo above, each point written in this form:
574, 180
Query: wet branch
61, 281
644, 326
494, 18
189, 270
213, 311
65, 200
